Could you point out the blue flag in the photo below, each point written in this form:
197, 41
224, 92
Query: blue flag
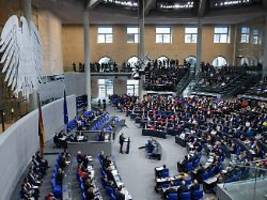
66, 117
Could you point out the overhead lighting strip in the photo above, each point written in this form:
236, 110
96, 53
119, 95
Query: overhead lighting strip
123, 3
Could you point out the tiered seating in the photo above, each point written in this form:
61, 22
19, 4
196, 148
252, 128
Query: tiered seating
161, 78
111, 179
213, 130
62, 161
98, 123
86, 178
172, 187
31, 183
225, 81
258, 92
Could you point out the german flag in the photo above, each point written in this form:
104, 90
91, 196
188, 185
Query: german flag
40, 127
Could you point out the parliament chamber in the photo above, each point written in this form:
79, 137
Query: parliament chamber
133, 99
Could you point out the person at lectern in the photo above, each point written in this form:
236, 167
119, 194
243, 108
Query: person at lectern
121, 141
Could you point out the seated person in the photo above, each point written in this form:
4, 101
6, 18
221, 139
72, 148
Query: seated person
90, 195
80, 157
158, 170
119, 194
50, 196
195, 185
59, 177
182, 188
149, 146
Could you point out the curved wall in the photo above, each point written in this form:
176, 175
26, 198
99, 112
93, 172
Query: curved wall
20, 141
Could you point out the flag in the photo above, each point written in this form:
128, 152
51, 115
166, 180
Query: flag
66, 118
40, 127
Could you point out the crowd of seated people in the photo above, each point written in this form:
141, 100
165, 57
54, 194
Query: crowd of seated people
111, 179
86, 177
212, 128
222, 80
31, 183
62, 162
96, 120
164, 75
258, 90
179, 186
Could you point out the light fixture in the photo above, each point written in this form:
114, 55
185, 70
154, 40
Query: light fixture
123, 3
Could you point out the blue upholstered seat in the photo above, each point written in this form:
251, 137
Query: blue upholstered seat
188, 166
172, 196
197, 194
185, 196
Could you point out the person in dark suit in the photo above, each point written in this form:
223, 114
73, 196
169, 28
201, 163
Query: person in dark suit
171, 189
119, 194
104, 104
59, 176
90, 193
128, 146
182, 188
121, 141
195, 185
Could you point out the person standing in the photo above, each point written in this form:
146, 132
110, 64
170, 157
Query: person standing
121, 141
74, 67
104, 104
128, 145
99, 103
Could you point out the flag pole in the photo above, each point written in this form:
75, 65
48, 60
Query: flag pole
40, 126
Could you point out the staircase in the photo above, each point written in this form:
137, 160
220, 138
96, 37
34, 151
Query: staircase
185, 84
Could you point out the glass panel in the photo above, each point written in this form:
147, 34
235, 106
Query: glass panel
130, 90
105, 88
130, 38
109, 38
132, 30
219, 62
163, 30
101, 38
104, 30
134, 82
245, 30
223, 38
194, 38
132, 87
101, 91
104, 60
190, 30
136, 38
216, 38
101, 81
244, 38
221, 30
159, 38
251, 179
132, 61
167, 38
187, 38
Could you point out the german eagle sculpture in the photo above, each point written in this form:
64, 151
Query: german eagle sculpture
21, 55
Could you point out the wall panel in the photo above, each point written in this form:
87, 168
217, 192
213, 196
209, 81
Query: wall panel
20, 141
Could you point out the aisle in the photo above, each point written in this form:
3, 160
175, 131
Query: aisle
137, 171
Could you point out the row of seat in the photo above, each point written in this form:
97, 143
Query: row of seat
194, 195
193, 164
100, 122
163, 175
56, 188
